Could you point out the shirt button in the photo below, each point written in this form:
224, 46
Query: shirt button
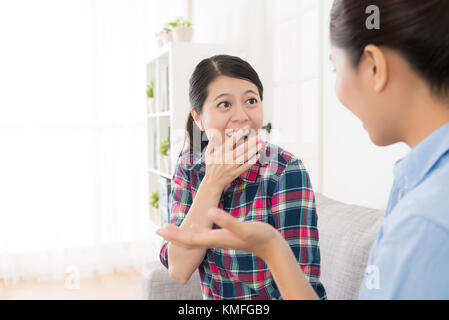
229, 195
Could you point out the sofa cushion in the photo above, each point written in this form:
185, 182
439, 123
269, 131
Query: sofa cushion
157, 284
347, 233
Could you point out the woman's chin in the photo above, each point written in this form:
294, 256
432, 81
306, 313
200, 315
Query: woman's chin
381, 140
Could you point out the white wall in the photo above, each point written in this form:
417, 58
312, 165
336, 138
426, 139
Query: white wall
296, 69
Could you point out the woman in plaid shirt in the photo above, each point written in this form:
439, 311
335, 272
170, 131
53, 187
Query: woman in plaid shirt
227, 166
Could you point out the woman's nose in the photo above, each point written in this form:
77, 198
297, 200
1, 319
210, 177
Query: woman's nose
239, 114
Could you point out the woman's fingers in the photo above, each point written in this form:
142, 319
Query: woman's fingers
228, 222
233, 233
234, 139
232, 144
210, 146
249, 155
175, 235
198, 229
243, 149
210, 149
246, 166
199, 238
234, 149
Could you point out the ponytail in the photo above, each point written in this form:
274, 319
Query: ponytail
197, 139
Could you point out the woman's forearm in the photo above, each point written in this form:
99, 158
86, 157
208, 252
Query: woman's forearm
286, 272
183, 262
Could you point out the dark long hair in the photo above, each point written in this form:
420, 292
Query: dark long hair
206, 72
417, 29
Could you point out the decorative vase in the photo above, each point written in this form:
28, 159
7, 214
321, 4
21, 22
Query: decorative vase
167, 37
182, 34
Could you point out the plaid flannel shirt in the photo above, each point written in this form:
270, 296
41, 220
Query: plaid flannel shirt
275, 190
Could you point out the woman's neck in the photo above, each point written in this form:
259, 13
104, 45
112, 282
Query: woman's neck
429, 115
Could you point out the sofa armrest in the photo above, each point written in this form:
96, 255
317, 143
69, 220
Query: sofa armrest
157, 284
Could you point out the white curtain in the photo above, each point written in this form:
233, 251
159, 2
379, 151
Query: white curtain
73, 180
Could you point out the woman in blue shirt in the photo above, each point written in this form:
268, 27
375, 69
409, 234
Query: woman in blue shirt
395, 79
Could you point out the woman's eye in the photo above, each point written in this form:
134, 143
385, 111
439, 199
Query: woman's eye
252, 101
224, 104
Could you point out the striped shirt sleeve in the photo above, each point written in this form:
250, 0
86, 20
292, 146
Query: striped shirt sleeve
180, 201
295, 217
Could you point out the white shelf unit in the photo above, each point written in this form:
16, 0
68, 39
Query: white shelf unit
171, 69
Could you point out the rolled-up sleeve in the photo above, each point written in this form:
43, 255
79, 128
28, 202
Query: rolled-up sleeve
295, 217
180, 201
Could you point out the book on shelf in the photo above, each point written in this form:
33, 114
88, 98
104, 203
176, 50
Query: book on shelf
164, 194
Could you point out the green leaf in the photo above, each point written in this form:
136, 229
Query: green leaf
154, 199
180, 22
163, 147
150, 90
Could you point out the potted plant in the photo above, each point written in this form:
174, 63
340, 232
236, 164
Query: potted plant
154, 205
150, 97
154, 199
159, 39
164, 147
181, 29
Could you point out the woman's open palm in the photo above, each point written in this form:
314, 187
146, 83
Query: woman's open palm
251, 236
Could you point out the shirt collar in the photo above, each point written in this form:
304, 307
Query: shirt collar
423, 157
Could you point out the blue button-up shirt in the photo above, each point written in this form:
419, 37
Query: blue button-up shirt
410, 257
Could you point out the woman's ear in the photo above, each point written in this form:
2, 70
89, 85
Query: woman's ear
196, 117
378, 65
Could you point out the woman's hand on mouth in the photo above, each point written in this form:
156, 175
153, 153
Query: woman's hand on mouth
225, 162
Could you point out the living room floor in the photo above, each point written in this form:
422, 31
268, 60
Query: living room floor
115, 286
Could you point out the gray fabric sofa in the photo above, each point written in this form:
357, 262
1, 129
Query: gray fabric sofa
347, 233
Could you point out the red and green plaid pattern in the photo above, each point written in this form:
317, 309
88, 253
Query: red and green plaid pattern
276, 190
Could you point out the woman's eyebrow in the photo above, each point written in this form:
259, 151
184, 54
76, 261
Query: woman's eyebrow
221, 95
250, 91
227, 94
